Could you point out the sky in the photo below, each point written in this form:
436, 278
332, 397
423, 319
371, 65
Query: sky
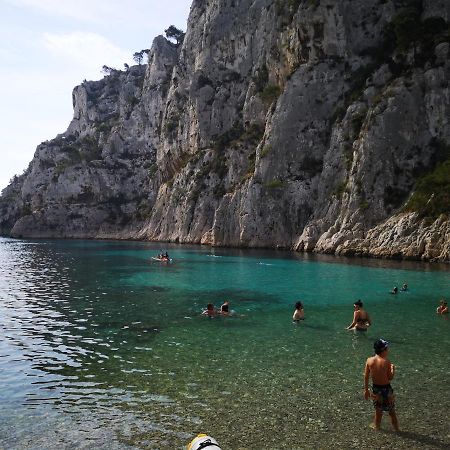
47, 47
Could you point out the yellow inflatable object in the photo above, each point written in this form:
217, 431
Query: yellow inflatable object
203, 441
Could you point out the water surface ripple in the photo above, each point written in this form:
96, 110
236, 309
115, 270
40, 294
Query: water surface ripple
103, 348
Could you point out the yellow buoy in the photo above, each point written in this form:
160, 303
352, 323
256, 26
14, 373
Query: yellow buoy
203, 441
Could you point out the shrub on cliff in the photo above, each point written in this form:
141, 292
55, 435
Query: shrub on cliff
431, 197
410, 31
261, 78
139, 56
175, 33
275, 183
270, 93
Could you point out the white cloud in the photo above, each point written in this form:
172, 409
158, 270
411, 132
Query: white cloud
86, 50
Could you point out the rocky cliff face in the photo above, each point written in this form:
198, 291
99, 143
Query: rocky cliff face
300, 124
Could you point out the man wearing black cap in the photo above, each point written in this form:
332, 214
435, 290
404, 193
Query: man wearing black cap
380, 369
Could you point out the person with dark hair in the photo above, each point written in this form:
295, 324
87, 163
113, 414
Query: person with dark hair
380, 369
299, 313
442, 308
361, 320
210, 311
394, 290
404, 287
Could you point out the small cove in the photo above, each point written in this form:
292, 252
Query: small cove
103, 348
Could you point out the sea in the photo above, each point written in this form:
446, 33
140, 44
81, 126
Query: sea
103, 347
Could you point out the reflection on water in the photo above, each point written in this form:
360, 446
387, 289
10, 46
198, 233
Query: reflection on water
103, 348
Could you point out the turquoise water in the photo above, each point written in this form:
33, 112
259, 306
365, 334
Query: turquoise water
103, 348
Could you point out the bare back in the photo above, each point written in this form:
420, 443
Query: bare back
381, 370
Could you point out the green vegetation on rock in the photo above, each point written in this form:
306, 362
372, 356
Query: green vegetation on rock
340, 189
251, 135
265, 151
270, 93
274, 184
431, 197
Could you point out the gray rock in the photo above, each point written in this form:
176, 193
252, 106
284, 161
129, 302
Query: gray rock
275, 124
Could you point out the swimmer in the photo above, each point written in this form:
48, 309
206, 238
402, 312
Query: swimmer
225, 308
395, 290
361, 320
380, 369
210, 311
442, 308
299, 313
404, 287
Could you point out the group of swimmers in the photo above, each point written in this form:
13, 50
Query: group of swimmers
378, 367
211, 310
403, 289
361, 320
164, 256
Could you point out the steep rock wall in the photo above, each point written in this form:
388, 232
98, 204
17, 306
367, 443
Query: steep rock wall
297, 124
93, 180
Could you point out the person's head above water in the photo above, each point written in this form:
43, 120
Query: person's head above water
298, 305
380, 345
358, 303
209, 306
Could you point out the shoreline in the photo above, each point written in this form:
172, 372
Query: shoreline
331, 256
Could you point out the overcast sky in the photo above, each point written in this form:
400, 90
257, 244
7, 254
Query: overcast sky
47, 47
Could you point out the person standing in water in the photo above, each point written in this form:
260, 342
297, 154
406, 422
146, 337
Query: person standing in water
299, 313
380, 369
361, 320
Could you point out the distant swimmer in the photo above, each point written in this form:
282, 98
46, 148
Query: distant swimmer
225, 308
162, 257
380, 369
210, 311
361, 320
404, 287
299, 313
442, 308
395, 290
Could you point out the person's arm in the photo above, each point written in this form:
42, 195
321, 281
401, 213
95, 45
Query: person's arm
366, 380
368, 319
391, 371
354, 321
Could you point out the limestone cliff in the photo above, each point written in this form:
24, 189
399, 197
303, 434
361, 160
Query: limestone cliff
315, 125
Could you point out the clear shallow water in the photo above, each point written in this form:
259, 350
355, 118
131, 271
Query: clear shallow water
102, 348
